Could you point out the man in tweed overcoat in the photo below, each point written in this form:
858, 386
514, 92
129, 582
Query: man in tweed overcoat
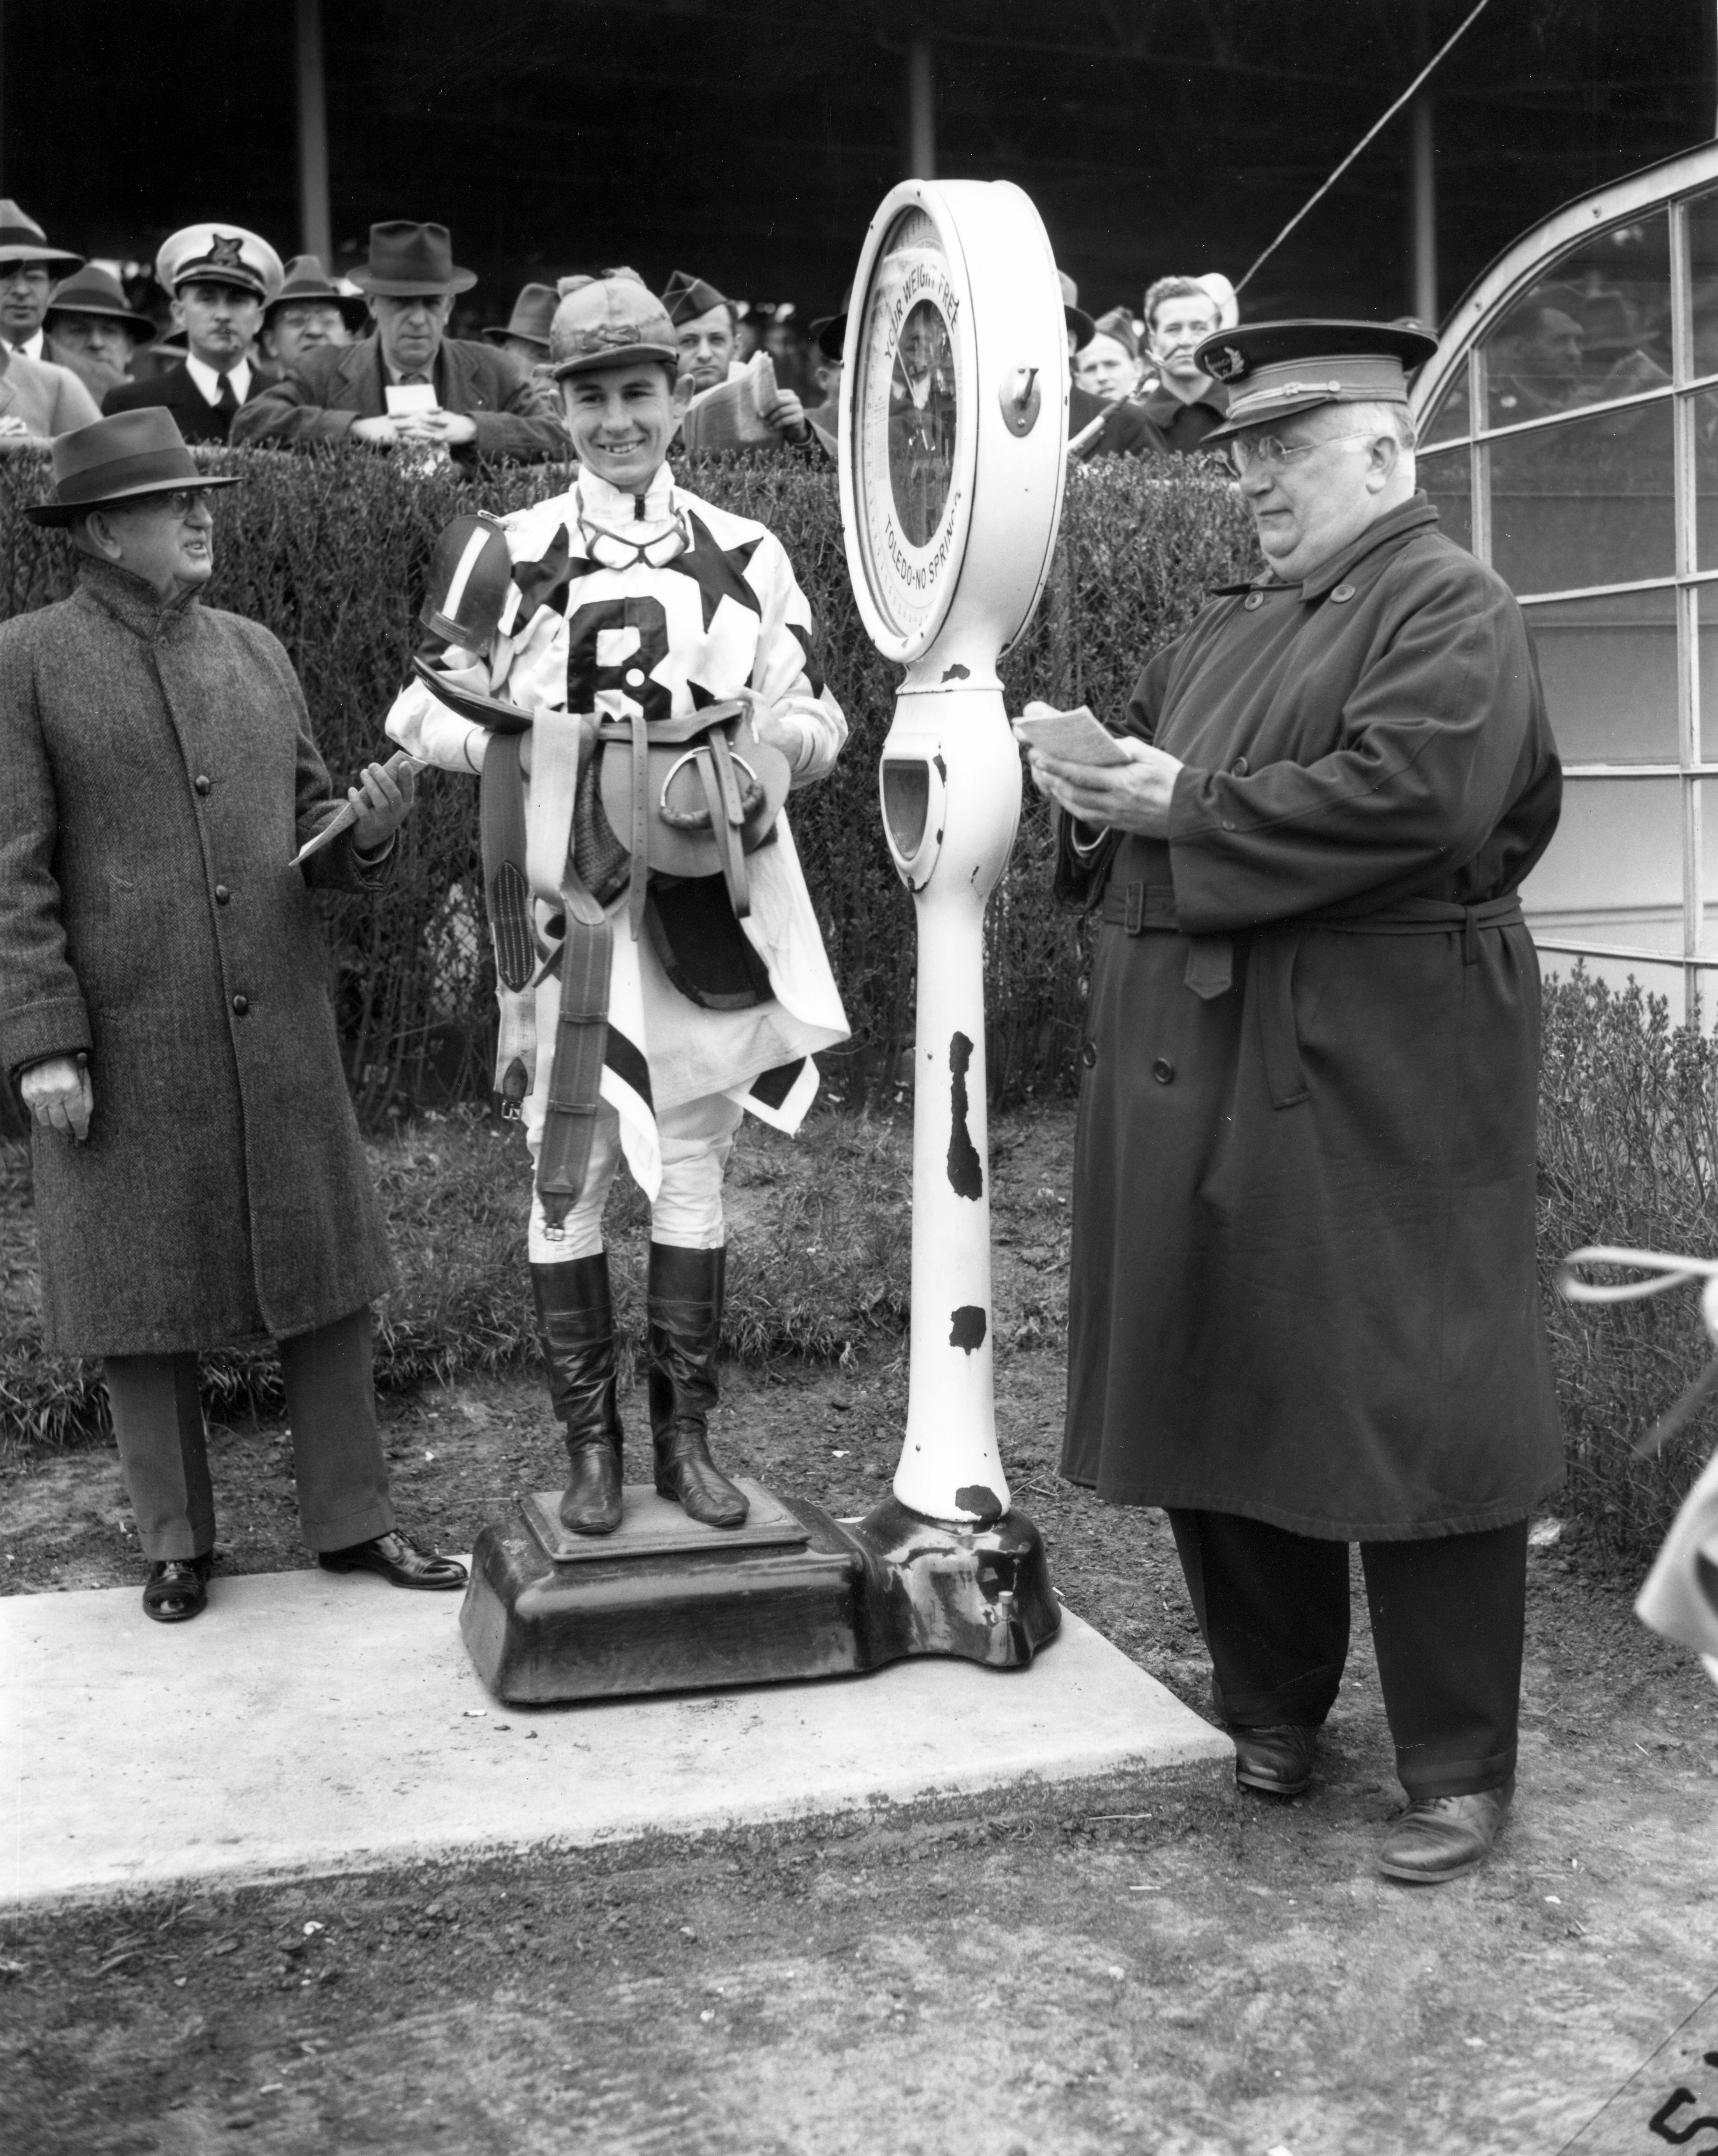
198, 1176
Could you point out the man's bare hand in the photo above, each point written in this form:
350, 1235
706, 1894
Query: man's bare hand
452, 429
383, 801
58, 1096
783, 734
787, 415
380, 433
1134, 796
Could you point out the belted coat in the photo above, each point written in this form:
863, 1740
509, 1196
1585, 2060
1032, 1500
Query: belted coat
1303, 1284
158, 774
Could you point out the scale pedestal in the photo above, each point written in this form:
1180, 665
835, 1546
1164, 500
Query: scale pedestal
955, 394
664, 1605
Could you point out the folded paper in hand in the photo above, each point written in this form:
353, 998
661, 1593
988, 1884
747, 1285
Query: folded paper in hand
403, 397
731, 416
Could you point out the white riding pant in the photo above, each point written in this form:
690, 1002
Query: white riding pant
696, 1138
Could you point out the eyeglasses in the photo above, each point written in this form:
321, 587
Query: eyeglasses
1245, 455
181, 502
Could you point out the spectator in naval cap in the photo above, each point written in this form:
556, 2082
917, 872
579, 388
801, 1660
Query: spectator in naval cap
221, 277
28, 267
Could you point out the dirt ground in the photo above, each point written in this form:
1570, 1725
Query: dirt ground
1108, 1971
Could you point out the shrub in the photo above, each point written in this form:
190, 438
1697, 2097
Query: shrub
329, 550
1628, 1155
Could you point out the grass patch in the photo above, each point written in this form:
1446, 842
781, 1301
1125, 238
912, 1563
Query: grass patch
819, 1264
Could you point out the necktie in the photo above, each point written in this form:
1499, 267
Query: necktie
227, 403
413, 381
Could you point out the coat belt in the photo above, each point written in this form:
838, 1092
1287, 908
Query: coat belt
1145, 909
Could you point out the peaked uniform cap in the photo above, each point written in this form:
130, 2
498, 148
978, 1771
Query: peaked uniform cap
306, 280
533, 311
123, 458
219, 255
1272, 369
93, 293
22, 239
606, 321
686, 297
408, 259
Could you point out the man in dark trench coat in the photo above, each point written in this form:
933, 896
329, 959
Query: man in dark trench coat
1303, 1309
163, 1004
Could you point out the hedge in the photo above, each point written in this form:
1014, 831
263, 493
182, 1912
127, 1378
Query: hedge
329, 549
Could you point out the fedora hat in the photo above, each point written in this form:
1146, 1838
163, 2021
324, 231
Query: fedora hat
407, 260
603, 321
93, 293
533, 311
22, 239
122, 458
1080, 326
307, 280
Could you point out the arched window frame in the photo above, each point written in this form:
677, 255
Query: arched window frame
1673, 183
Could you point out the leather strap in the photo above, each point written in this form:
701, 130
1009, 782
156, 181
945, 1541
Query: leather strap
639, 887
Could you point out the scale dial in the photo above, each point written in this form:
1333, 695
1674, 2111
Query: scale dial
953, 422
909, 412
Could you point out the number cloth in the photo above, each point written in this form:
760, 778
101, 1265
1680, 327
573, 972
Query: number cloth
1303, 1283
704, 603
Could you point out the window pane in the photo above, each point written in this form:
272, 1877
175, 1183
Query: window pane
1448, 422
1706, 600
1703, 270
1596, 325
1448, 479
1609, 670
1706, 466
1614, 870
1587, 503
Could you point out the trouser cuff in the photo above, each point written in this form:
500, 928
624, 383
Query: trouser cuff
182, 1541
360, 1526
1424, 1779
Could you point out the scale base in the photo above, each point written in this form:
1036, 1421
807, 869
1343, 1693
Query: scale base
664, 1605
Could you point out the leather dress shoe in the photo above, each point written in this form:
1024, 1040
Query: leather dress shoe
1441, 1837
176, 1589
1277, 1759
399, 1561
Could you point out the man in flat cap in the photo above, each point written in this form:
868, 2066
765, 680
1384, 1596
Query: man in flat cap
28, 269
1304, 1309
93, 330
309, 312
707, 326
221, 277
164, 1005
408, 385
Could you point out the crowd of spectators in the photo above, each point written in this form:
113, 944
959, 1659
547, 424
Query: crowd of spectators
244, 348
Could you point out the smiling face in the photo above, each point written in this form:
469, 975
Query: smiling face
622, 419
167, 540
219, 322
1310, 508
1179, 326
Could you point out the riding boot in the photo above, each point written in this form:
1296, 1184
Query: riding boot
576, 1332
685, 1323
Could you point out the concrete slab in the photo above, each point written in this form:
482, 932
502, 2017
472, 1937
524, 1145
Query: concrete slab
309, 1723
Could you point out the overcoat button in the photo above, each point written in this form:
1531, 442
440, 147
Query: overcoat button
1163, 1071
1088, 1055
201, 783
1239, 767
1253, 601
222, 894
241, 1005
1341, 595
